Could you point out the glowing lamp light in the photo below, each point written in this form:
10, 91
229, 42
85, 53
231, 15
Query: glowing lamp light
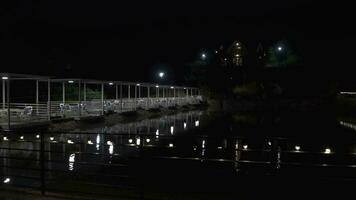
225, 59
185, 125
161, 74
70, 81
203, 144
51, 138
138, 141
172, 87
237, 44
171, 145
130, 141
279, 48
7, 180
138, 84
148, 140
70, 141
5, 138
237, 55
111, 83
90, 142
4, 78
157, 86
297, 148
37, 136
269, 143
197, 123
327, 151
245, 146
109, 143
21, 137
203, 56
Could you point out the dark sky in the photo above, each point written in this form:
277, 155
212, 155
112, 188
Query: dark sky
130, 40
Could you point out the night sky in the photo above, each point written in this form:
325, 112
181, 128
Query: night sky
131, 41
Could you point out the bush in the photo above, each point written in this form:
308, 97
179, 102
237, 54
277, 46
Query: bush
249, 90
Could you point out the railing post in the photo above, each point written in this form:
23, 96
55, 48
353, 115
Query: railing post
8, 104
274, 155
49, 99
141, 164
42, 164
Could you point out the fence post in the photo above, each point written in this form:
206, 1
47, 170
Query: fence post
42, 163
141, 174
274, 155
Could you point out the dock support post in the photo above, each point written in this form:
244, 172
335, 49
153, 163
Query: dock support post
102, 99
49, 99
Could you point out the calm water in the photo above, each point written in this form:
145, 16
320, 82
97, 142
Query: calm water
196, 145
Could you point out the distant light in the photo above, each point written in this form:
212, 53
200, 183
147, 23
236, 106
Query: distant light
203, 56
111, 83
327, 151
237, 44
297, 148
245, 146
148, 140
269, 143
170, 145
109, 143
157, 132
70, 141
185, 88
237, 55
157, 86
5, 138
51, 138
219, 147
216, 51
161, 74
22, 137
203, 144
138, 141
197, 123
7, 180
225, 59
70, 81
4, 78
172, 130
90, 142
138, 84
280, 48
172, 87
185, 125
239, 47
130, 141
37, 136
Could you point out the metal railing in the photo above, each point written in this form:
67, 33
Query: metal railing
115, 164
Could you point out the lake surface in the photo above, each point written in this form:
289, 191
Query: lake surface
195, 147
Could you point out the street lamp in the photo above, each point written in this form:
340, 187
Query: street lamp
161, 74
203, 56
280, 48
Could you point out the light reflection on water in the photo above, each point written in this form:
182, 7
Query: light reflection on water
237, 150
